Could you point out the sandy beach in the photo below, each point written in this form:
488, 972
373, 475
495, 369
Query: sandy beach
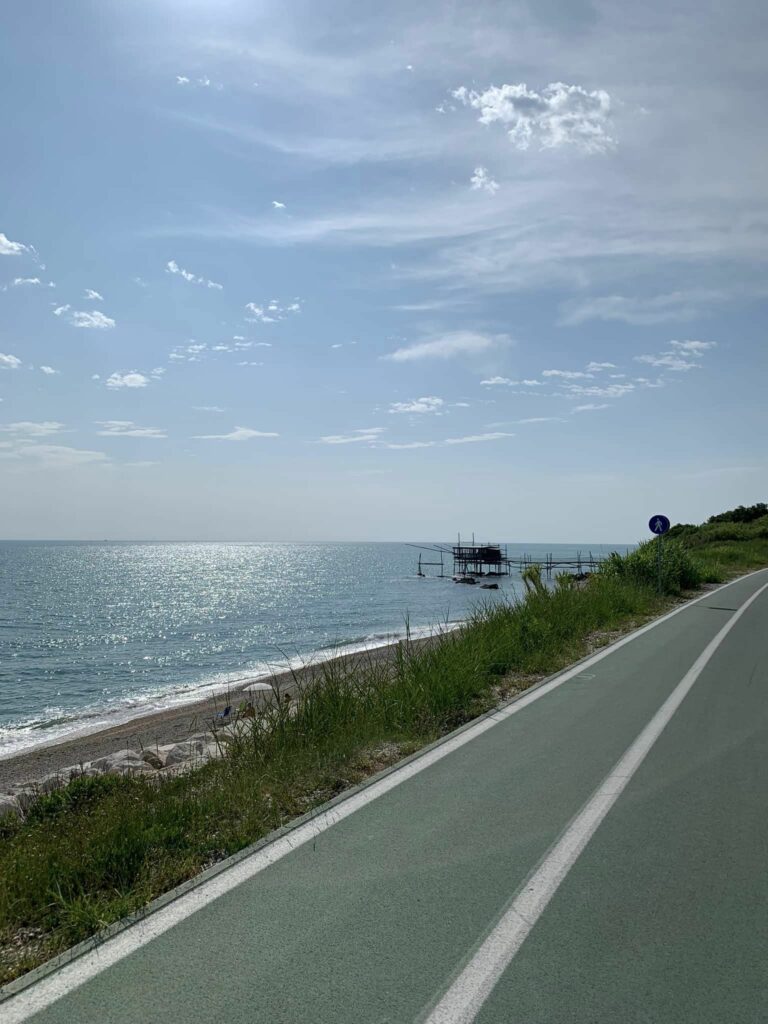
171, 725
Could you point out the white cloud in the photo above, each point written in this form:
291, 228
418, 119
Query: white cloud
278, 205
590, 407
677, 306
567, 374
132, 379
95, 319
238, 434
193, 351
541, 419
90, 293
9, 362
472, 438
208, 408
499, 381
52, 456
272, 311
49, 370
427, 404
449, 345
26, 428
560, 115
20, 282
125, 428
668, 361
204, 82
9, 248
680, 357
597, 367
597, 390
404, 445
60, 310
482, 180
695, 348
172, 267
359, 436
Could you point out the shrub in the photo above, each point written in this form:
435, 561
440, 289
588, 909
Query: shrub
679, 571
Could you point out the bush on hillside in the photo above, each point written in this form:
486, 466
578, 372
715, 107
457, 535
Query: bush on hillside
678, 570
741, 514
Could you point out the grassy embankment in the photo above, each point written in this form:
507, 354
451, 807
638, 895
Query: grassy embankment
103, 847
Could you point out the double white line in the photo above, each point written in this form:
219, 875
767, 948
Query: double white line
463, 1000
473, 985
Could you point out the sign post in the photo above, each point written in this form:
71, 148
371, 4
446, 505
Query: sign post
658, 525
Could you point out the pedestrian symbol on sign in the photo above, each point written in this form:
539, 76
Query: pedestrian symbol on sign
658, 525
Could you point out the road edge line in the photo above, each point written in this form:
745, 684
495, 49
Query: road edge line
69, 970
473, 985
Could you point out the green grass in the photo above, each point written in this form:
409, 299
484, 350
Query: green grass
88, 855
721, 548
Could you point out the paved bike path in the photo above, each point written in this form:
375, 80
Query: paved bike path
371, 921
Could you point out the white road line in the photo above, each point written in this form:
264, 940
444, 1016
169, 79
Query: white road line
89, 964
464, 999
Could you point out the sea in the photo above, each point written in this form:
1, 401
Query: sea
93, 634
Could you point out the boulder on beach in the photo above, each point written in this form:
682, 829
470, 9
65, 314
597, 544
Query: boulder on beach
122, 762
9, 804
107, 762
153, 758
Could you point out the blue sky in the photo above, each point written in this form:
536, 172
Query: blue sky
328, 271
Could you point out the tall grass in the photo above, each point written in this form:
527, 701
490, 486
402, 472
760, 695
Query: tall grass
87, 856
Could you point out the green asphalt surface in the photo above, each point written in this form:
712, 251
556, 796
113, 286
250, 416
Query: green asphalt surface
663, 918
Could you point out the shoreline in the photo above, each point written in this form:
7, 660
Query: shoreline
178, 722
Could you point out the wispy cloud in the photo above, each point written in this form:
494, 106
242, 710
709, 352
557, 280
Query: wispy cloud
126, 428
203, 82
567, 374
193, 351
590, 407
680, 357
277, 205
172, 267
473, 438
79, 318
9, 362
448, 346
27, 282
360, 436
482, 181
208, 408
49, 370
26, 428
91, 293
430, 403
272, 311
238, 434
560, 115
405, 445
132, 379
597, 390
52, 456
597, 367
95, 320
677, 306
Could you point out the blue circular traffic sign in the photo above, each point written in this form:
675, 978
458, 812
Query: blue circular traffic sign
658, 525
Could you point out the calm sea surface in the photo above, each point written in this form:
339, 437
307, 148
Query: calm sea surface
92, 633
